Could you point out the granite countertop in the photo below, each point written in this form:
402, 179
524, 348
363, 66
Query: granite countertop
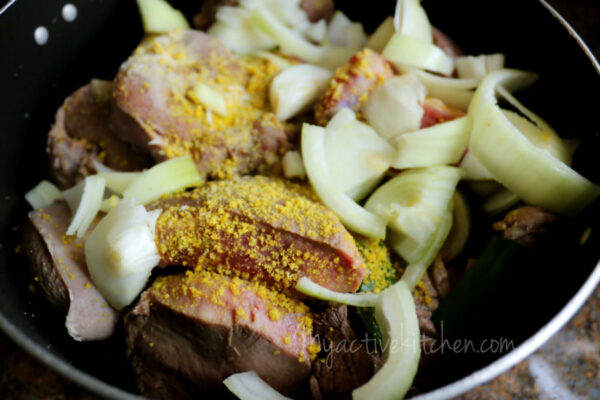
566, 367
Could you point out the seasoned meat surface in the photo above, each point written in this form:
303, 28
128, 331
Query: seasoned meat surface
156, 108
347, 361
57, 264
526, 224
436, 112
351, 84
200, 327
81, 135
258, 228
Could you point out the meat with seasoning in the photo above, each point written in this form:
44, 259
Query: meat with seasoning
57, 264
155, 107
189, 332
347, 360
258, 228
81, 134
526, 224
352, 83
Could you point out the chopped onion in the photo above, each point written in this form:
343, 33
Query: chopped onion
419, 255
397, 318
411, 19
382, 35
109, 203
350, 213
461, 228
500, 201
317, 32
473, 170
453, 92
164, 178
209, 98
405, 50
281, 62
426, 254
309, 288
43, 194
118, 182
538, 132
120, 252
84, 200
291, 42
440, 144
99, 167
478, 67
356, 155
414, 201
158, 16
249, 386
336, 31
532, 173
394, 107
292, 165
296, 89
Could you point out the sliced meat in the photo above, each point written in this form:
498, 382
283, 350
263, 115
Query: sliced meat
155, 110
444, 42
258, 228
526, 224
318, 9
436, 112
206, 17
346, 361
57, 263
352, 83
81, 135
200, 327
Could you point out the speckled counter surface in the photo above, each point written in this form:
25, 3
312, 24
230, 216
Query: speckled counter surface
566, 367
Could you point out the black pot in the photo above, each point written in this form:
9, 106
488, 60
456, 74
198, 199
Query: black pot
36, 76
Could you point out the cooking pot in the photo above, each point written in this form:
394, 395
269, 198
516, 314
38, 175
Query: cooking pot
49, 51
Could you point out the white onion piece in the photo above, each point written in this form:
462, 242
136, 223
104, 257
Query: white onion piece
414, 201
405, 50
158, 16
356, 155
235, 28
394, 107
309, 288
382, 35
397, 318
350, 213
120, 252
478, 67
411, 19
281, 62
317, 32
456, 93
43, 194
118, 182
292, 165
540, 133
208, 97
460, 230
473, 170
416, 269
291, 42
533, 174
441, 144
164, 178
84, 200
296, 89
500, 201
249, 386
336, 31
